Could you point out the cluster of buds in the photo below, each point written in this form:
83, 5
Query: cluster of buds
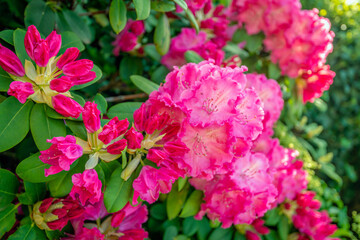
54, 214
50, 80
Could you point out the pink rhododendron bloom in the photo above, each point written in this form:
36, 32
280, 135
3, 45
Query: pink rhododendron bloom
128, 39
151, 182
117, 147
312, 84
62, 153
269, 92
91, 117
10, 62
133, 138
113, 129
87, 187
196, 5
66, 106
21, 90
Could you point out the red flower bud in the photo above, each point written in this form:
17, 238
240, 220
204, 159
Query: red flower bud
91, 117
41, 53
113, 129
21, 90
10, 62
61, 85
69, 56
78, 68
78, 80
54, 43
66, 106
117, 147
32, 37
134, 138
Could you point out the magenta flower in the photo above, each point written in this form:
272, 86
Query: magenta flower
66, 106
117, 147
87, 187
21, 90
69, 56
62, 84
91, 117
133, 138
113, 129
128, 39
10, 62
62, 153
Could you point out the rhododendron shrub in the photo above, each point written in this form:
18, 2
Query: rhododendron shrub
216, 149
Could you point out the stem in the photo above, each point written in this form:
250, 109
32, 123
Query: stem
123, 98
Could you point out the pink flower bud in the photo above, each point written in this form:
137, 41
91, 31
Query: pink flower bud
156, 156
113, 129
66, 106
78, 80
91, 117
87, 187
69, 56
41, 53
117, 147
137, 27
21, 90
258, 224
61, 85
252, 236
54, 43
134, 138
32, 37
78, 68
62, 153
10, 62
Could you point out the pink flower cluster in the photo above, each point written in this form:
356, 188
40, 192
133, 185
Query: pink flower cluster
128, 39
51, 79
299, 40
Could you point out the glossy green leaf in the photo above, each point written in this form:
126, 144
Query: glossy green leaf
44, 128
78, 26
158, 211
182, 4
272, 217
150, 50
159, 75
117, 15
162, 35
7, 218
118, 191
5, 80
221, 233
274, 71
204, 229
170, 233
192, 204
101, 103
14, 122
9, 186
124, 110
192, 19
190, 226
98, 72
284, 228
19, 36
7, 36
32, 169
162, 6
34, 192
144, 84
175, 201
193, 57
181, 183
28, 232
130, 66
68, 40
142, 8
78, 128
40, 14
108, 168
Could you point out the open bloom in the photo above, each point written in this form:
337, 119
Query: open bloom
50, 80
87, 187
128, 39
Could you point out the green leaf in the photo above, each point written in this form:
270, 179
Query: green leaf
68, 40
39, 13
98, 72
274, 71
34, 192
78, 128
44, 128
239, 236
124, 110
182, 4
272, 217
284, 228
101, 103
28, 232
61, 186
175, 201
162, 35
233, 49
130, 66
78, 26
204, 229
7, 36
9, 186
19, 36
192, 204
163, 6
14, 122
158, 211
329, 170
170, 233
190, 226
221, 233
7, 218
193, 57
32, 170
159, 75
5, 80
117, 15
150, 50
192, 19
108, 168
181, 183
142, 8
53, 114
144, 84
118, 191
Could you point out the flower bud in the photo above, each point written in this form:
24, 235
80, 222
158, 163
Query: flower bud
130, 168
78, 68
66, 106
69, 56
134, 138
61, 85
113, 129
137, 27
87, 187
41, 53
10, 62
78, 80
91, 117
54, 43
21, 90
32, 37
117, 147
252, 236
156, 156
